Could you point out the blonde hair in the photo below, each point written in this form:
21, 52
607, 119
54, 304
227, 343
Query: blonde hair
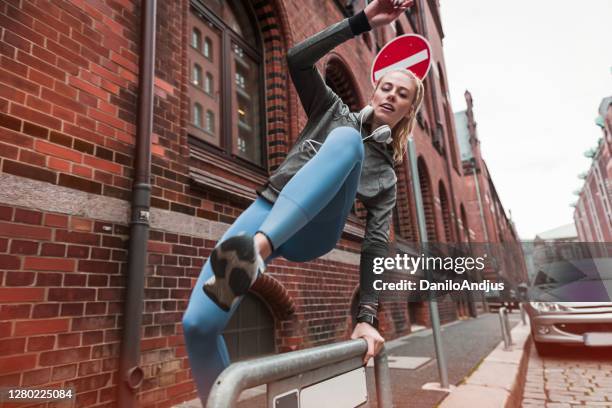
404, 127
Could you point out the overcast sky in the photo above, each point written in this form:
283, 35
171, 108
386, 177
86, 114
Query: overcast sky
537, 71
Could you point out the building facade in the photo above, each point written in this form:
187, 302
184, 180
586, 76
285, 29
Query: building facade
593, 210
225, 115
483, 211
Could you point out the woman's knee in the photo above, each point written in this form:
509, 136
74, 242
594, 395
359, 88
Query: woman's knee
348, 141
201, 325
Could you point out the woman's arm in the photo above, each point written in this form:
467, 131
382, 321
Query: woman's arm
311, 88
375, 245
313, 92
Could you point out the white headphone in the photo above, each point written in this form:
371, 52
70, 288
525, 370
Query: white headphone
381, 134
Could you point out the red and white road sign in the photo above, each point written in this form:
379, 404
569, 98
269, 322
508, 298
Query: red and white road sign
409, 51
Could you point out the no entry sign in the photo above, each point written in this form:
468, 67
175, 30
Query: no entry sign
409, 51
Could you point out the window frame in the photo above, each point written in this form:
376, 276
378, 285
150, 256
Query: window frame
200, 109
208, 84
196, 80
207, 45
195, 30
229, 36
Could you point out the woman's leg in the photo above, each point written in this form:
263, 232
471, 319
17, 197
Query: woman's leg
316, 185
312, 188
204, 321
321, 235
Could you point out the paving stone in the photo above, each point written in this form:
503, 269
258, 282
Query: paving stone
560, 398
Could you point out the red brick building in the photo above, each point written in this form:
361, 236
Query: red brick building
593, 210
225, 114
484, 213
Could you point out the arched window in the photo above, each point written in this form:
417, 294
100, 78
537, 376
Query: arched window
210, 121
197, 115
399, 30
428, 202
196, 38
231, 48
446, 215
339, 79
250, 331
196, 76
208, 84
208, 49
405, 225
464, 221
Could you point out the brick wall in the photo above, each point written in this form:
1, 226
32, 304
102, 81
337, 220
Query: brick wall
68, 103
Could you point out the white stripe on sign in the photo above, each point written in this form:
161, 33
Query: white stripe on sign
403, 64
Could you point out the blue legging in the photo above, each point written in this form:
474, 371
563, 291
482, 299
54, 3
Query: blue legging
305, 222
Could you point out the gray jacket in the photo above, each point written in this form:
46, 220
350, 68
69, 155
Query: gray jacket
326, 111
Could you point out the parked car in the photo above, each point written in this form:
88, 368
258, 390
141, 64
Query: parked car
571, 304
577, 323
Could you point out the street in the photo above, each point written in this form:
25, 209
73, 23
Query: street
575, 376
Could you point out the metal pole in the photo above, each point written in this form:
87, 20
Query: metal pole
508, 328
502, 323
383, 380
433, 303
523, 319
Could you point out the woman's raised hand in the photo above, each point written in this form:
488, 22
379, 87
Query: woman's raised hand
382, 12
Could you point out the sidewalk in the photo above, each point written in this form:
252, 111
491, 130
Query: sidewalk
498, 380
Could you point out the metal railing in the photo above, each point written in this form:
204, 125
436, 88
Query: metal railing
504, 322
327, 361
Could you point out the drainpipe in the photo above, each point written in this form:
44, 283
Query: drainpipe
130, 373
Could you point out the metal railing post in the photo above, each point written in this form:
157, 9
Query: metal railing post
508, 328
504, 329
433, 303
383, 380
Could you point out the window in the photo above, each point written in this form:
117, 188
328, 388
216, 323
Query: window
208, 48
339, 79
208, 84
399, 30
446, 216
196, 38
197, 75
210, 122
233, 77
428, 200
197, 115
250, 331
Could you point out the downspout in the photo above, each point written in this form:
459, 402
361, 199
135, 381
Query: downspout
130, 373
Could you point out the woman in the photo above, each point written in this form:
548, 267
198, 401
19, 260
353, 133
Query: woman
301, 211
